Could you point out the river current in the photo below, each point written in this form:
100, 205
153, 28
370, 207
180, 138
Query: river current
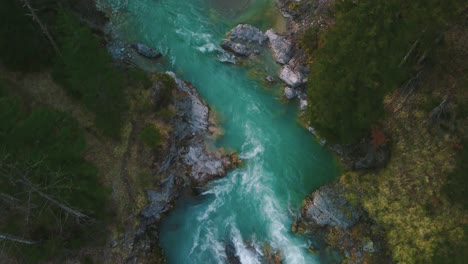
253, 205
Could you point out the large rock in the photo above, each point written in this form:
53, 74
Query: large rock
237, 48
328, 207
281, 47
160, 199
303, 103
190, 154
146, 51
292, 77
289, 92
244, 32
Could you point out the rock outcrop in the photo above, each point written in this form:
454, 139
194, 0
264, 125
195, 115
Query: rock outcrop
289, 93
328, 207
292, 77
248, 33
244, 40
281, 47
190, 156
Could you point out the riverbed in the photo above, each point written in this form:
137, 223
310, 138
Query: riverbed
254, 205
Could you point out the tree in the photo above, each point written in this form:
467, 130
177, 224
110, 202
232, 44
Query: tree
369, 52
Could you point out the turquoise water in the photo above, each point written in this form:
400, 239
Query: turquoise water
251, 206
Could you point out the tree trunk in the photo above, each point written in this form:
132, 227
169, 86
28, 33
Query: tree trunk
69, 210
17, 239
43, 27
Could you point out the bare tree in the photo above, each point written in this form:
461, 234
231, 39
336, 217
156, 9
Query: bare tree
43, 27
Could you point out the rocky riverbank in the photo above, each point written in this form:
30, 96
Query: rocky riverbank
187, 165
328, 212
184, 164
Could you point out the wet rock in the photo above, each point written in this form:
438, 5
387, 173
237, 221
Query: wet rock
281, 47
146, 51
244, 32
290, 93
237, 48
327, 207
292, 77
231, 255
270, 79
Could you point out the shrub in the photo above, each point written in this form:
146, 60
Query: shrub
86, 73
164, 94
151, 136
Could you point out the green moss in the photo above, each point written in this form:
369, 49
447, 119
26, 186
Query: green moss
151, 136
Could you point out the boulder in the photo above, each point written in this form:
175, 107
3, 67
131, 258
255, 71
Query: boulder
303, 104
281, 47
328, 207
146, 51
244, 32
237, 48
231, 254
270, 79
289, 92
292, 77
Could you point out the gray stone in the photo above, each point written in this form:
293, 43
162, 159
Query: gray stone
270, 79
247, 33
192, 158
146, 51
237, 48
292, 77
303, 104
159, 200
281, 47
289, 92
327, 207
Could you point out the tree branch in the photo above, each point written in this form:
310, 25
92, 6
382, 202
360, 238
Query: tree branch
17, 239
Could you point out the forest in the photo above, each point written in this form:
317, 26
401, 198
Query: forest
406, 76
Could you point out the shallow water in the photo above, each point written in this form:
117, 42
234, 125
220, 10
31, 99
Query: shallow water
253, 205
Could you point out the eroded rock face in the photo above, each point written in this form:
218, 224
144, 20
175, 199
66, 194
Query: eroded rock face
327, 207
281, 47
292, 77
192, 157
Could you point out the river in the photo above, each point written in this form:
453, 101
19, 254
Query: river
251, 206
